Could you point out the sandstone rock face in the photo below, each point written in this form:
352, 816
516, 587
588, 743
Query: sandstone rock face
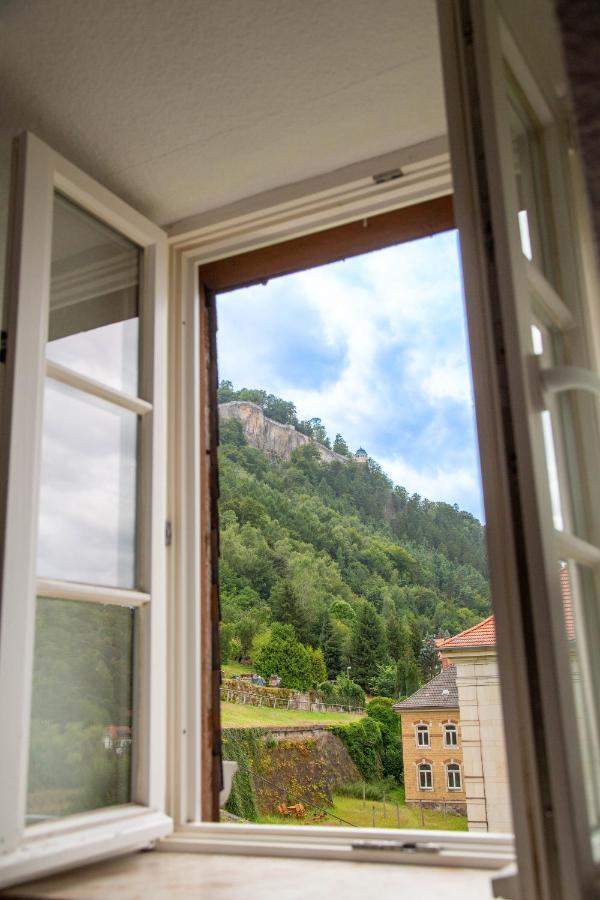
271, 437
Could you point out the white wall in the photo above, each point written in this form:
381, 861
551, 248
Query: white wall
482, 733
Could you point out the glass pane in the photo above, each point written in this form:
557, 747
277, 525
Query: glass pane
530, 172
582, 626
81, 724
94, 298
87, 522
540, 349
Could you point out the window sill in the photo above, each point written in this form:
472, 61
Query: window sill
165, 876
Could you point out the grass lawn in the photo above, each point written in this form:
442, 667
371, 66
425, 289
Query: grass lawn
234, 715
372, 814
234, 668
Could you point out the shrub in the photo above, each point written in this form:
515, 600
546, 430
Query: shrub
380, 710
364, 744
283, 655
342, 692
384, 682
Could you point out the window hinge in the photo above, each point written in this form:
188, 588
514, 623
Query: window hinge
395, 846
3, 343
168, 533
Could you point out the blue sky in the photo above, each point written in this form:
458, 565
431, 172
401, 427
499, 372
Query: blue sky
376, 347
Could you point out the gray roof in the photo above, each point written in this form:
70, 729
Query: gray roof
439, 693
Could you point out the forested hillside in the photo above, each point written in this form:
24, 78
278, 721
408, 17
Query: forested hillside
364, 573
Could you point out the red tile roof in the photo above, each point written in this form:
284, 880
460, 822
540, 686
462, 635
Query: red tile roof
481, 635
484, 633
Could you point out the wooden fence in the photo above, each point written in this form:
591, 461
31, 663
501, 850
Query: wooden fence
231, 695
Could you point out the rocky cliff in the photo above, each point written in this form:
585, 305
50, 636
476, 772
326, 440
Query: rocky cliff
271, 437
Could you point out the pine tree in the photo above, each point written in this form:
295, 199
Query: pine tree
407, 675
429, 659
340, 446
368, 645
288, 609
332, 648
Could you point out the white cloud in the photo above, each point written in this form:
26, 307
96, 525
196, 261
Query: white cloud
403, 388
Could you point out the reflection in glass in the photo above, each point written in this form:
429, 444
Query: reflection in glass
87, 521
581, 616
94, 298
537, 338
81, 725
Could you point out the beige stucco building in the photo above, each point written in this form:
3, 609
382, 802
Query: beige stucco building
473, 653
431, 743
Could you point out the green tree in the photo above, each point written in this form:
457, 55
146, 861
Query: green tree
318, 667
332, 648
319, 432
385, 682
285, 656
340, 446
287, 608
407, 675
368, 645
429, 659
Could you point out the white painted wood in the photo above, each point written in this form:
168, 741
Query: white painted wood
546, 778
151, 671
40, 172
572, 547
96, 388
558, 379
317, 204
89, 593
486, 851
94, 839
28, 302
550, 304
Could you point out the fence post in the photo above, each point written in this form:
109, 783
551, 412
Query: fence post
422, 815
397, 814
373, 811
364, 794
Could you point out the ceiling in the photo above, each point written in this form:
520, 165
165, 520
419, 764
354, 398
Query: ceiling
181, 106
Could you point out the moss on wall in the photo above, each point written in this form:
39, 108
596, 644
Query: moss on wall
275, 770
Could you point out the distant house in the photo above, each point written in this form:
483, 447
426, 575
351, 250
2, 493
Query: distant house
117, 737
361, 455
473, 654
275, 681
432, 744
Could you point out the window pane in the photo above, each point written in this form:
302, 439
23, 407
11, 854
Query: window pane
80, 749
87, 524
582, 626
94, 298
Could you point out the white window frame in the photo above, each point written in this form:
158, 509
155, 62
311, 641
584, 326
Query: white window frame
450, 728
307, 207
423, 728
280, 215
456, 770
424, 768
34, 850
546, 779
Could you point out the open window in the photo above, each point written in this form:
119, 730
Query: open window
82, 654
522, 219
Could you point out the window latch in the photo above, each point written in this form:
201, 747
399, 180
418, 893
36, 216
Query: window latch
168, 533
398, 846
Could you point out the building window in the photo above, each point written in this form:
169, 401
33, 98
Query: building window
425, 777
453, 777
422, 735
450, 735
